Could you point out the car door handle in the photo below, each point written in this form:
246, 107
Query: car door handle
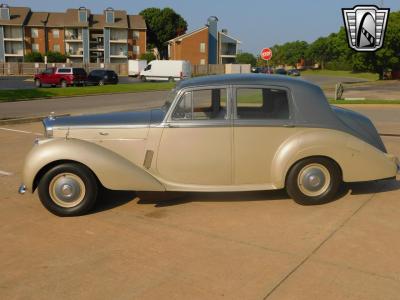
103, 133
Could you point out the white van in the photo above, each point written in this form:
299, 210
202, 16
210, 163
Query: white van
166, 70
135, 66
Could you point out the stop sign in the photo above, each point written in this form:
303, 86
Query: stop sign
266, 54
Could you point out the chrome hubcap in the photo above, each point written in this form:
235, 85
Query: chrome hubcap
314, 180
67, 190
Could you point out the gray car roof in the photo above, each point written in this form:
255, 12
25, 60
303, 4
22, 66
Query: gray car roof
310, 108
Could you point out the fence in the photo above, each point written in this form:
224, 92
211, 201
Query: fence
28, 69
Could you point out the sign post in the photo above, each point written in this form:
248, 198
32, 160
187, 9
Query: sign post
266, 54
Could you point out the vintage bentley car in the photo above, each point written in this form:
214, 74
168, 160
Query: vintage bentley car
216, 133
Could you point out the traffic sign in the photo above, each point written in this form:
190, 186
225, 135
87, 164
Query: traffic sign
266, 54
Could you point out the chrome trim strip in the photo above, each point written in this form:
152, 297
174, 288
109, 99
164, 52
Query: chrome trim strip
122, 126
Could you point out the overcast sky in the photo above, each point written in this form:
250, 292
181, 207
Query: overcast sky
257, 23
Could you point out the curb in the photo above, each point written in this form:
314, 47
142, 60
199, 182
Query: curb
27, 120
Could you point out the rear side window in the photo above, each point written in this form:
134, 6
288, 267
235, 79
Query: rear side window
261, 103
79, 71
110, 73
64, 70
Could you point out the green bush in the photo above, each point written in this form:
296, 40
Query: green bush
148, 56
55, 57
33, 57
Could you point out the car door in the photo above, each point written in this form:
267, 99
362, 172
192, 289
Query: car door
196, 143
262, 122
47, 76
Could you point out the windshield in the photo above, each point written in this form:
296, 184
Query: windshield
170, 98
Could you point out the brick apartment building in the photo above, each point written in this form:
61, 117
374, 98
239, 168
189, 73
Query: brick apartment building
205, 45
111, 37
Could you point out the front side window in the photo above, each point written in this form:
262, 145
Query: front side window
207, 104
261, 103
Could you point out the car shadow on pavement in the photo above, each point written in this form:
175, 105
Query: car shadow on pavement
109, 199
373, 187
164, 199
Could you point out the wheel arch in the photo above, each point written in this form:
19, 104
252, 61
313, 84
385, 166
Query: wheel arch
112, 170
53, 164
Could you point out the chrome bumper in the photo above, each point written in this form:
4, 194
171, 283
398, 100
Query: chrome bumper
22, 189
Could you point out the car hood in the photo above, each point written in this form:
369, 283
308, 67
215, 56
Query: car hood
115, 119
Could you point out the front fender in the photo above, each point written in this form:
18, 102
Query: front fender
358, 160
113, 171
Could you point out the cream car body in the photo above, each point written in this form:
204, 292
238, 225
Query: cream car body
154, 151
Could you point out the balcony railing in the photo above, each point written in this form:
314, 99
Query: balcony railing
73, 37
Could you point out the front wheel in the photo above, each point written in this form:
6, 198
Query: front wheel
143, 78
314, 180
68, 190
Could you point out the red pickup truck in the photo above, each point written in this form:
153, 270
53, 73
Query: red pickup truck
61, 76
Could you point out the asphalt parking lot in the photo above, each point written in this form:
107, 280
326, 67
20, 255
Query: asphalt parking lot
251, 245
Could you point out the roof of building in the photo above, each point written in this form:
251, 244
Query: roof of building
70, 18
17, 16
55, 19
37, 19
183, 36
137, 22
229, 37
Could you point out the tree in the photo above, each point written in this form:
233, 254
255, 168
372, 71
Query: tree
246, 58
33, 57
148, 56
162, 26
55, 57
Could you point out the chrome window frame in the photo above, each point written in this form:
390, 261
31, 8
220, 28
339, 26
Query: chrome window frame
169, 122
289, 122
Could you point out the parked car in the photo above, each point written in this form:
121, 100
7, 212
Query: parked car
293, 72
264, 70
102, 77
61, 76
281, 72
237, 132
166, 70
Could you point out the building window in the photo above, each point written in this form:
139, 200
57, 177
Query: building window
56, 33
34, 32
109, 16
35, 47
82, 14
135, 34
202, 61
136, 49
203, 47
56, 48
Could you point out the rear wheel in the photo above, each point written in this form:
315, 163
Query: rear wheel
68, 189
38, 83
171, 79
314, 180
63, 84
